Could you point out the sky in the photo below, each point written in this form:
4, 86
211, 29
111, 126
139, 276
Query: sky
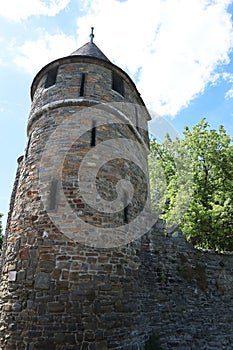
178, 53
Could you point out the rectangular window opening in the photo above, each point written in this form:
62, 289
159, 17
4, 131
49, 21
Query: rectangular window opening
136, 115
93, 134
117, 83
51, 77
126, 209
82, 84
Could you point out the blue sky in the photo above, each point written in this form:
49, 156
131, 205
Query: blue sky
178, 52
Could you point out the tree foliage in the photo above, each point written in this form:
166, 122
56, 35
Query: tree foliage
198, 174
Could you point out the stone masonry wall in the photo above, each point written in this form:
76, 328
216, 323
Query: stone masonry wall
170, 290
59, 294
98, 89
11, 208
56, 293
186, 294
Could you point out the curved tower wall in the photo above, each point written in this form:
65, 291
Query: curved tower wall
60, 289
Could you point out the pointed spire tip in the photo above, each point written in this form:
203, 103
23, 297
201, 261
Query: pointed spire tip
92, 35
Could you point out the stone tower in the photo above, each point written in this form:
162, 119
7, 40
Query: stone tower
78, 208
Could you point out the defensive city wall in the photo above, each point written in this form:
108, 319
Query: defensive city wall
75, 275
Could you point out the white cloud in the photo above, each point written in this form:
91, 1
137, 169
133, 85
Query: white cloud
174, 46
18, 10
33, 55
229, 78
229, 94
171, 48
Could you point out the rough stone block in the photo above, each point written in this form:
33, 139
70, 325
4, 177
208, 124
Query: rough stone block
56, 307
42, 280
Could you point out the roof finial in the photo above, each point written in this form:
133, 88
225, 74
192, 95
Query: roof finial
92, 35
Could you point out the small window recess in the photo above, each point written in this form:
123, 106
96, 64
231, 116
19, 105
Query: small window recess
93, 134
82, 84
136, 116
117, 83
126, 209
52, 203
51, 77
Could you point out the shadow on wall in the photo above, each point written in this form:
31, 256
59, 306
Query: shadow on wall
153, 343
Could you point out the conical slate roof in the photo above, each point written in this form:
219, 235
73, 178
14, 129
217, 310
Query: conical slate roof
90, 49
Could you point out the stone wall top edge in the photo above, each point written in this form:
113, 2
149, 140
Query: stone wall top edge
182, 244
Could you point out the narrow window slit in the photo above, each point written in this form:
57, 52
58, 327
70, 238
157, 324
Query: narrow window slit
82, 84
126, 209
53, 194
93, 134
136, 115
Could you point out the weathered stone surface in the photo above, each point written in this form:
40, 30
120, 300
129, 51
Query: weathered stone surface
69, 296
56, 307
42, 280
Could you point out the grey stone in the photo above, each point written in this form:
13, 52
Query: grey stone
42, 280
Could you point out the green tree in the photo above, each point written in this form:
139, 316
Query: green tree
201, 162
